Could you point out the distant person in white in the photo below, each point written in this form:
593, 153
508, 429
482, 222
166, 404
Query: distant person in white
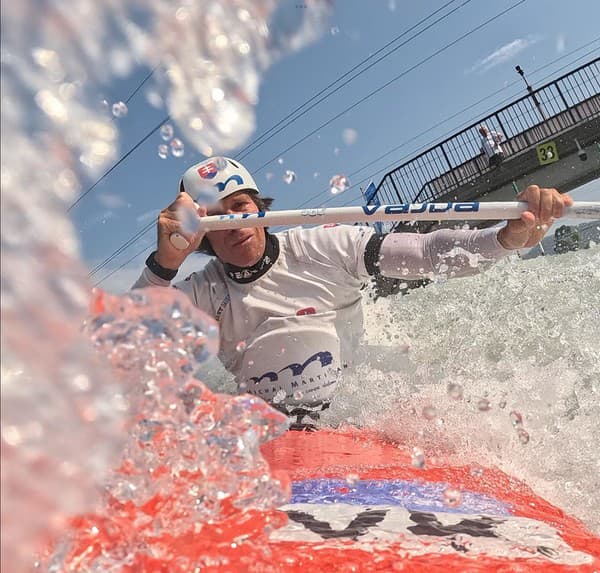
490, 145
289, 304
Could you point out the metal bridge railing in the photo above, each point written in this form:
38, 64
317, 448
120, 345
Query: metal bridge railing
563, 103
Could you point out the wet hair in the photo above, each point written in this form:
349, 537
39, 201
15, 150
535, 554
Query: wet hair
263, 204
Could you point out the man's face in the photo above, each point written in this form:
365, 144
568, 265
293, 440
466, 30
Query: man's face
239, 247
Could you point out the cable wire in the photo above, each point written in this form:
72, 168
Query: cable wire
255, 144
123, 158
145, 230
388, 83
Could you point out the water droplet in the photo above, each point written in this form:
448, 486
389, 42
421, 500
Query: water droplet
455, 391
196, 124
315, 174
352, 479
523, 435
163, 151
336, 150
177, 147
452, 497
298, 395
217, 94
417, 458
268, 175
289, 176
349, 136
279, 396
334, 30
220, 163
484, 405
429, 412
516, 419
280, 161
338, 184
119, 109
166, 131
240, 346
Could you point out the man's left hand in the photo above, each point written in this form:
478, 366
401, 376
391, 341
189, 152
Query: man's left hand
543, 206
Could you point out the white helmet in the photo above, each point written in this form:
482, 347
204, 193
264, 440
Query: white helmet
219, 175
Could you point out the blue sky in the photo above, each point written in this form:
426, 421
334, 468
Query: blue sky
534, 35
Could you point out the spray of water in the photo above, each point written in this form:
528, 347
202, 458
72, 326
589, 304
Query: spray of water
63, 413
506, 367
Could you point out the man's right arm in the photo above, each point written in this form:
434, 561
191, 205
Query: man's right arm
162, 265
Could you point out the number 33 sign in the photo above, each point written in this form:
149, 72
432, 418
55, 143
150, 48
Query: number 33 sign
547, 153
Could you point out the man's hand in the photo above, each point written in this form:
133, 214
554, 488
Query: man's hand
181, 217
544, 205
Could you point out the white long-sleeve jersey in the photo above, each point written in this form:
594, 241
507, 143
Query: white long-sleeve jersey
288, 335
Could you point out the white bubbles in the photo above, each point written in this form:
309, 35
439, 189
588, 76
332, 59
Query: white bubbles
279, 396
516, 419
352, 479
166, 132
334, 30
163, 151
196, 123
338, 184
280, 161
452, 497
429, 412
417, 458
289, 176
484, 405
119, 109
154, 99
177, 147
523, 436
455, 391
220, 163
298, 395
218, 94
349, 136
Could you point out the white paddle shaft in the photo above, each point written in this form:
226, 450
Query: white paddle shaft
398, 212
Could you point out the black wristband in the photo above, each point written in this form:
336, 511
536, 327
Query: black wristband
372, 253
162, 272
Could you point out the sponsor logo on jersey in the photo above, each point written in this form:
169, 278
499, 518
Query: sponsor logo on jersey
307, 310
324, 358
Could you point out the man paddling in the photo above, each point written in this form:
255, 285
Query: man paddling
289, 304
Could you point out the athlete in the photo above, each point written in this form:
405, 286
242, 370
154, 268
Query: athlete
289, 304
